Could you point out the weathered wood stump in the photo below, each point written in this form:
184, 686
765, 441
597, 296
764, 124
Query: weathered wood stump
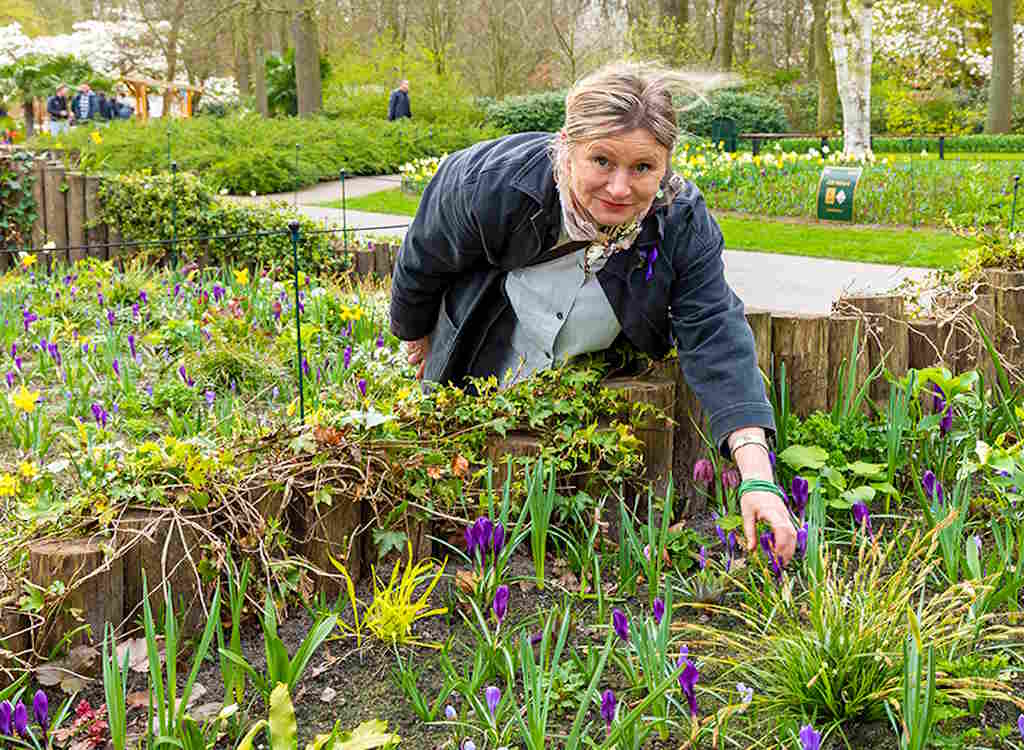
332, 531
963, 348
364, 262
381, 260
503, 451
94, 588
56, 212
39, 195
1007, 331
800, 342
655, 432
165, 549
13, 640
75, 196
687, 445
925, 347
841, 331
760, 322
96, 236
887, 338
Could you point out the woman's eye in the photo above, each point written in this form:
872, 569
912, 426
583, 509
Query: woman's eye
601, 161
643, 168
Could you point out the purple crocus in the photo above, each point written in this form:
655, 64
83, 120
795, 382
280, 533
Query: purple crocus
211, 396
498, 538
41, 710
305, 368
100, 414
1020, 725
21, 719
932, 486
184, 377
702, 558
801, 540
608, 708
947, 422
131, 346
135, 311
470, 541
799, 493
27, 318
110, 318
483, 531
493, 697
688, 679
10, 378
938, 399
862, 517
719, 532
620, 624
99, 298
362, 386
218, 292
380, 340
731, 554
500, 604
703, 471
768, 545
659, 610
6, 710
651, 257
143, 297
348, 356
117, 367
809, 739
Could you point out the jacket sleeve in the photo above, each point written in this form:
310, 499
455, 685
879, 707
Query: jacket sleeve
714, 341
52, 107
392, 100
443, 242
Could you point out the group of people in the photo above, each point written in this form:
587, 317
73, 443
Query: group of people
85, 106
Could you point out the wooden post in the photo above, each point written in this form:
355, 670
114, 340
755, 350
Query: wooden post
511, 447
393, 255
39, 194
925, 348
94, 588
840, 346
800, 342
114, 240
381, 261
687, 445
96, 236
13, 640
155, 545
333, 531
656, 433
56, 212
1007, 331
364, 262
887, 336
760, 322
76, 216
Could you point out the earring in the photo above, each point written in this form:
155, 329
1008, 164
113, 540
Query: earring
660, 193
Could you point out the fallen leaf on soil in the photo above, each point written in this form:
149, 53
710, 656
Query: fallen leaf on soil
327, 663
205, 712
138, 657
83, 659
72, 684
527, 584
460, 466
466, 581
569, 582
328, 695
51, 673
138, 699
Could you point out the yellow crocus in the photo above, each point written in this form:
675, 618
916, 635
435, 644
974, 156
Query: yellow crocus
8, 485
24, 399
28, 470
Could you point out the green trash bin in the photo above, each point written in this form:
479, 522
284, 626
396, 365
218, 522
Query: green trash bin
723, 130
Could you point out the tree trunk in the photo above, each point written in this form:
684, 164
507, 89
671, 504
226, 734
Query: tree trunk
177, 19
851, 42
242, 58
825, 69
30, 117
1000, 93
728, 29
259, 61
308, 85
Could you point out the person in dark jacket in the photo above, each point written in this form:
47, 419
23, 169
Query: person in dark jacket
398, 104
57, 109
533, 248
103, 106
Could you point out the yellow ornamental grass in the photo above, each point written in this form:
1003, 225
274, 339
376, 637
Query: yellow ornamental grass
393, 611
24, 399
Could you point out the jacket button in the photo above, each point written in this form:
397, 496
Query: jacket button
559, 315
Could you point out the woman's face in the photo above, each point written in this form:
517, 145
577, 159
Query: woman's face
617, 177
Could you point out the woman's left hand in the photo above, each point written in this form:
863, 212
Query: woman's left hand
767, 507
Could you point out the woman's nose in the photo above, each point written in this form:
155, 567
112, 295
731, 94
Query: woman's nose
618, 184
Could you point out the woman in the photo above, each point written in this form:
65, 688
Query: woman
532, 248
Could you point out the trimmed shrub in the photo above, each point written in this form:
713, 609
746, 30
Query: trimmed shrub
753, 113
913, 144
526, 114
146, 206
246, 153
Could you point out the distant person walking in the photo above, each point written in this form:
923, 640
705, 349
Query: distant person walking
58, 110
398, 104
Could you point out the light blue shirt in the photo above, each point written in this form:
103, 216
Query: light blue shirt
562, 312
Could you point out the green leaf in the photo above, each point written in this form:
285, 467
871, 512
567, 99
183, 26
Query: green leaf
885, 488
834, 477
804, 457
871, 471
283, 731
369, 734
730, 522
387, 541
862, 494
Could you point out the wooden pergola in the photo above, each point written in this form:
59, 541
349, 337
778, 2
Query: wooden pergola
184, 93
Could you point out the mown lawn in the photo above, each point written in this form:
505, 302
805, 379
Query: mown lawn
925, 248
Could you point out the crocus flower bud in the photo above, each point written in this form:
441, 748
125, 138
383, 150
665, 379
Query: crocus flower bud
608, 708
21, 719
498, 537
41, 709
493, 697
500, 605
809, 739
450, 713
620, 624
6, 711
659, 610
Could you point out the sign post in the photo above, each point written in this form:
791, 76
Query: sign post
835, 193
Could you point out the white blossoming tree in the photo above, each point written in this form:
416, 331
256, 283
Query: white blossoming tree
850, 26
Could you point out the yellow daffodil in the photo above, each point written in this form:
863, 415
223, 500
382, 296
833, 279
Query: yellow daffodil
96, 137
24, 399
403, 393
8, 485
28, 470
28, 260
242, 277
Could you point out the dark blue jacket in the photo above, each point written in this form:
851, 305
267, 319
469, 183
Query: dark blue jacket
398, 105
55, 105
494, 207
92, 108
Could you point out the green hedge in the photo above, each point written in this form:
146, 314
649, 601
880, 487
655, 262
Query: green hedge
967, 144
753, 113
148, 206
525, 114
246, 153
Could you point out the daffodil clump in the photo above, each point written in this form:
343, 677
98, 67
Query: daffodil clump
416, 174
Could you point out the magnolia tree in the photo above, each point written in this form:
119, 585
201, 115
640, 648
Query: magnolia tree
850, 26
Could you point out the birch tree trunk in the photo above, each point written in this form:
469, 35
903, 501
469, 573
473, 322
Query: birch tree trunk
1000, 92
850, 24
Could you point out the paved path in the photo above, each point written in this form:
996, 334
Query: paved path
764, 281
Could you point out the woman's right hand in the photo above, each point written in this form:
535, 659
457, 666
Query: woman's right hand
417, 352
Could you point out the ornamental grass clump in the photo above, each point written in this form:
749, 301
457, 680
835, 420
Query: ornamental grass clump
835, 650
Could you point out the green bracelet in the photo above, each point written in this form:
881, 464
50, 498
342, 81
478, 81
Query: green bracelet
761, 485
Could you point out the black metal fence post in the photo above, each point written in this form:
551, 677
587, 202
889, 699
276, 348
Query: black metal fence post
1013, 211
293, 227
344, 218
174, 215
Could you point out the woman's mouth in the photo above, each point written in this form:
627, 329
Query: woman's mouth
613, 206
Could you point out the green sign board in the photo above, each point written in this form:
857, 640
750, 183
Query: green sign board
835, 193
